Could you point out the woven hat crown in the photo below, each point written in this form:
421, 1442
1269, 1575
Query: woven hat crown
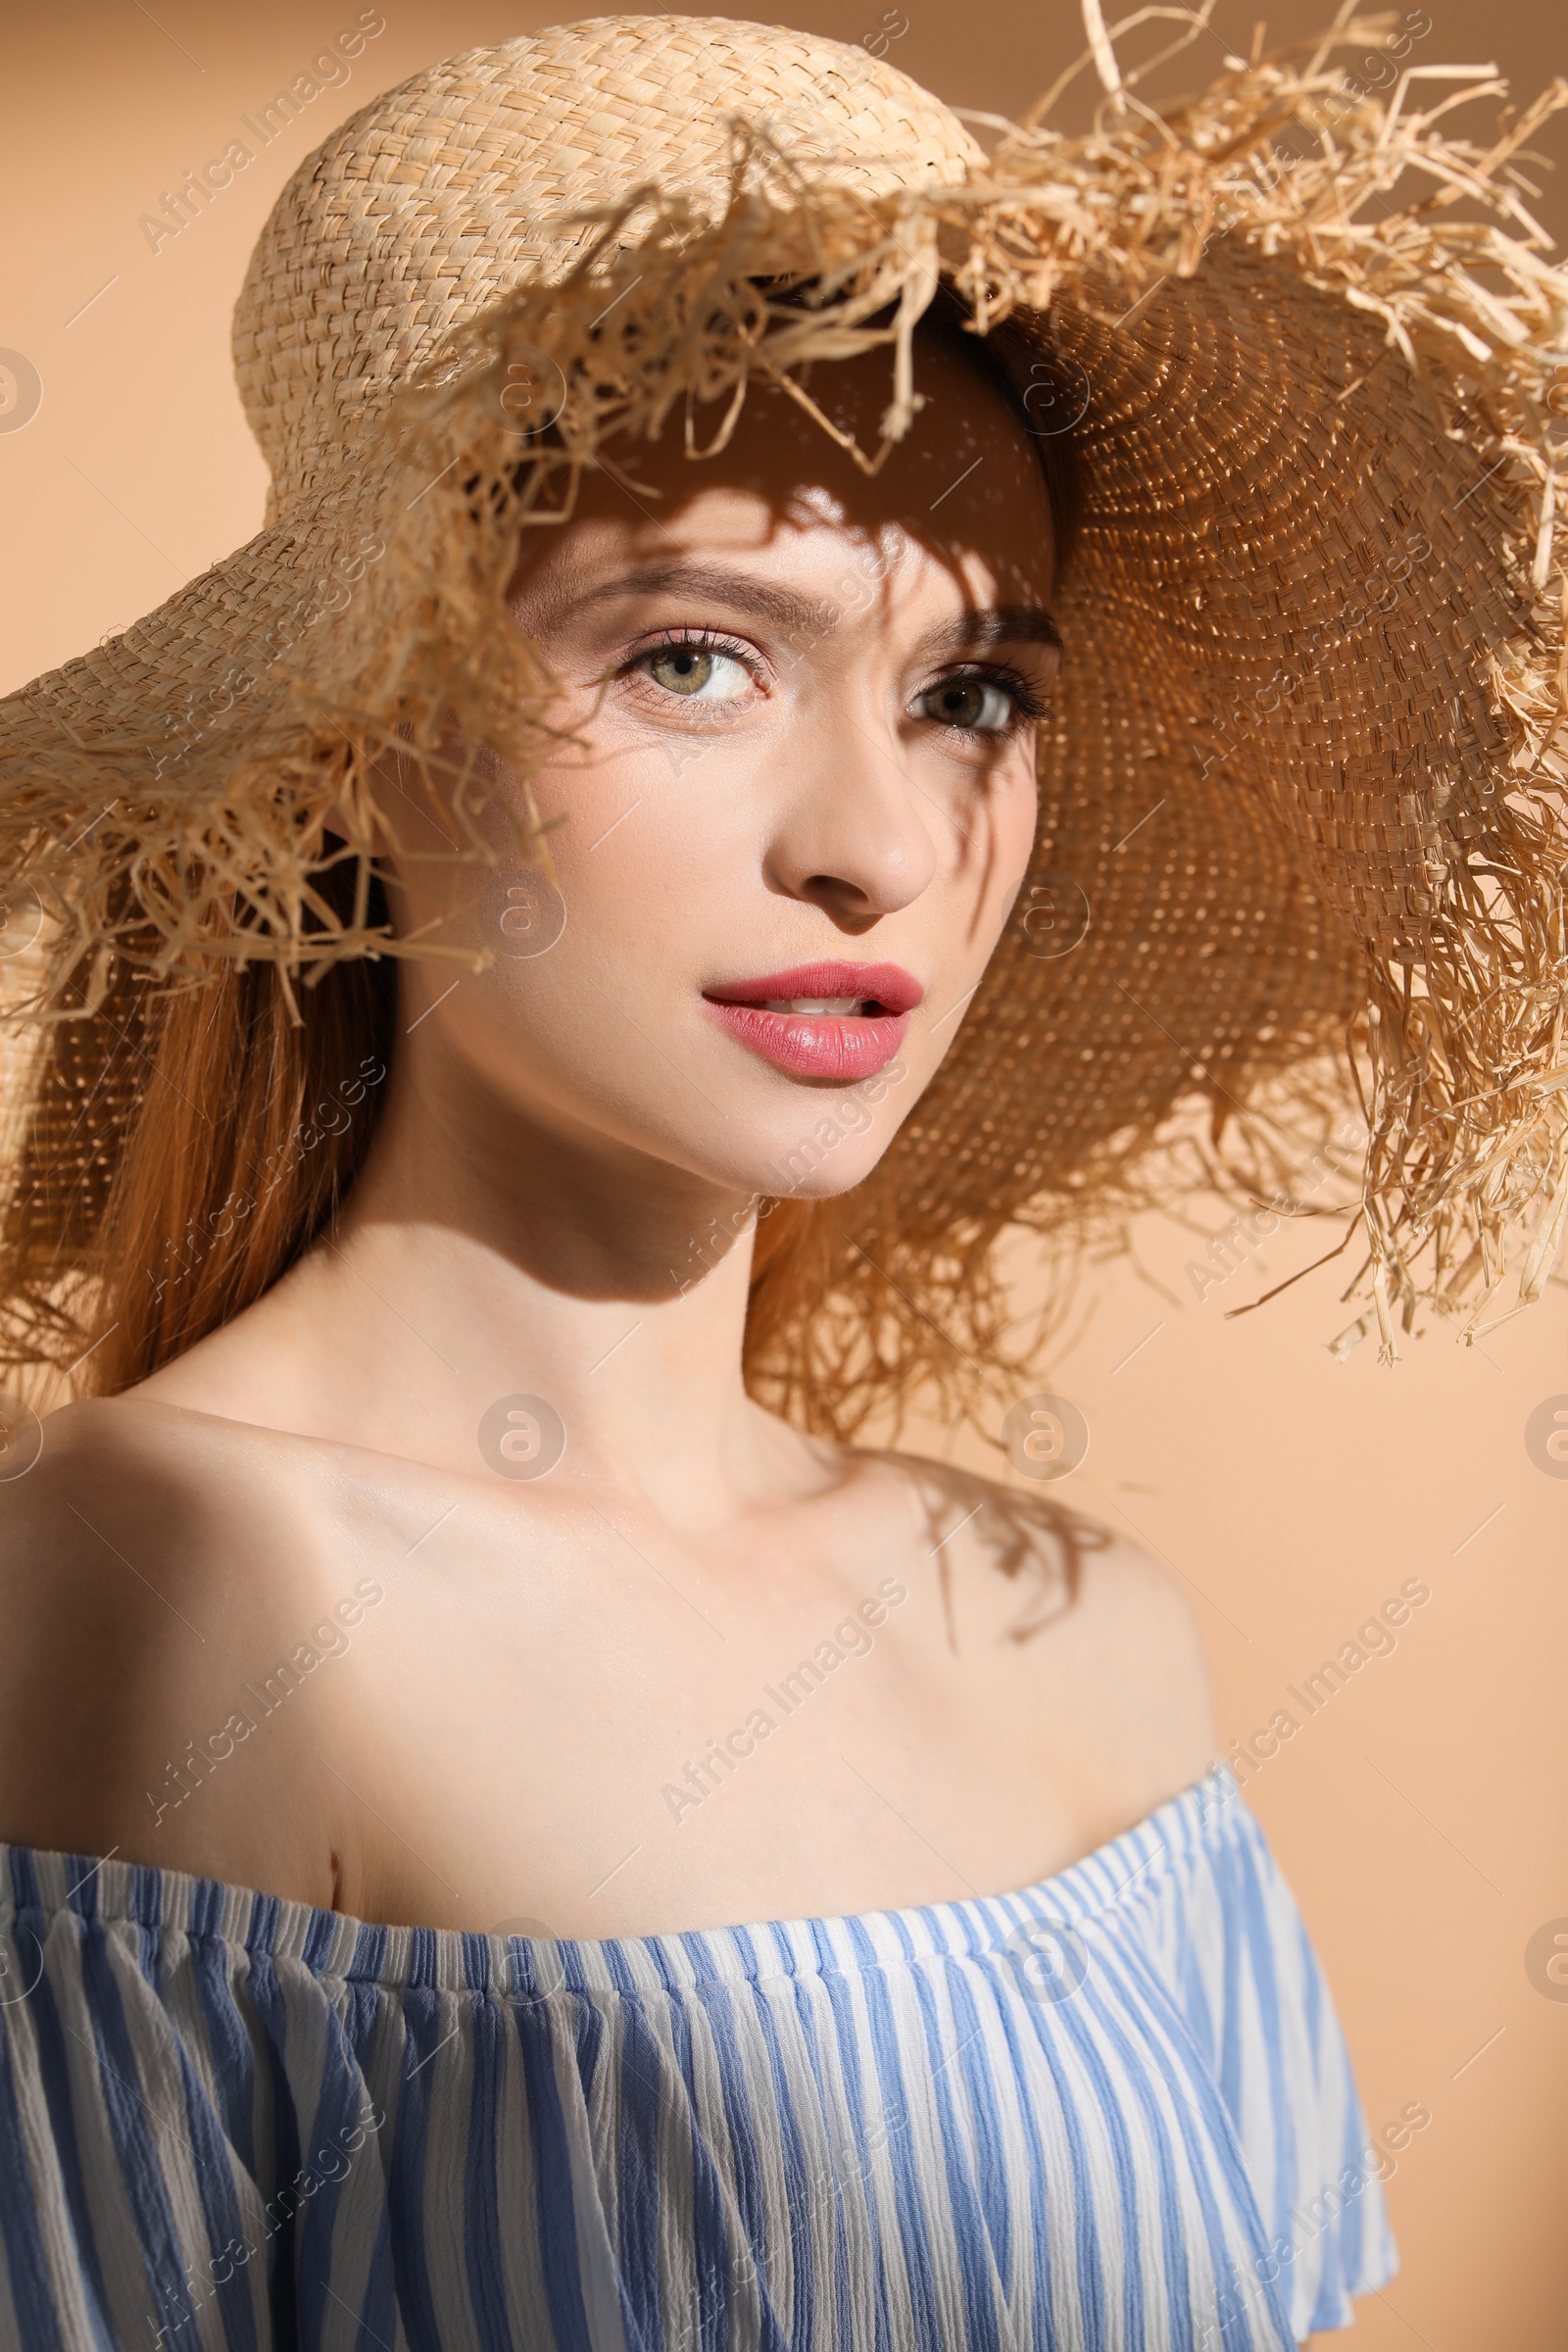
439, 195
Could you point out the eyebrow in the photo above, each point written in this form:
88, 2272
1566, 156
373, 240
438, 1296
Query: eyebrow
976, 631
739, 589
991, 625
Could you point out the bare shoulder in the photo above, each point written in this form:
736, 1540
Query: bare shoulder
146, 1559
117, 1478
1089, 1623
1027, 1556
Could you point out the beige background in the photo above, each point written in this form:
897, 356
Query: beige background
1421, 1813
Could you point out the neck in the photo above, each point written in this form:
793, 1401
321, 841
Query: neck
487, 1254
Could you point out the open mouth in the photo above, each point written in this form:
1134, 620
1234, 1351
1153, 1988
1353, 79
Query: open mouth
840, 1008
839, 1021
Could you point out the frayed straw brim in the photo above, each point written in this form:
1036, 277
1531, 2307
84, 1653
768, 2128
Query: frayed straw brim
1303, 782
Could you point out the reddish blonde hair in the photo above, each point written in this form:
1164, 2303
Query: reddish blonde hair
217, 1125
248, 1126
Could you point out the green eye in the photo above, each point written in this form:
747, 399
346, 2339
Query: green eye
681, 669
977, 704
696, 673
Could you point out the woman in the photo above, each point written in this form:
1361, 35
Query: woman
554, 868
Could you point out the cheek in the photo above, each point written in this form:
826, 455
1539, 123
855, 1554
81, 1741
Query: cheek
1004, 833
591, 969
1022, 816
658, 857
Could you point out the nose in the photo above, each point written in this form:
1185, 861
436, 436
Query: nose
851, 834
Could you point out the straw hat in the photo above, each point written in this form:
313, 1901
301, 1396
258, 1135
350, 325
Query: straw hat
1302, 786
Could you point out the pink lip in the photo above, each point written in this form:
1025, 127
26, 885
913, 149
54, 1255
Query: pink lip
819, 1044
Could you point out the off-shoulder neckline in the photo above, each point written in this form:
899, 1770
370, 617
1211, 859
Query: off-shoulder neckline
265, 1930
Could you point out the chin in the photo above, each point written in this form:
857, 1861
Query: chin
815, 1167
833, 1136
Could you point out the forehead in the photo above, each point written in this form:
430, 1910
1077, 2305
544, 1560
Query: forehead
964, 489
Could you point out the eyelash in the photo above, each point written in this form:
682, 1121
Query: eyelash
1028, 703
694, 641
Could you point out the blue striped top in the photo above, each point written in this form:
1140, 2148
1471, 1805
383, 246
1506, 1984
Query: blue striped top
1111, 2110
